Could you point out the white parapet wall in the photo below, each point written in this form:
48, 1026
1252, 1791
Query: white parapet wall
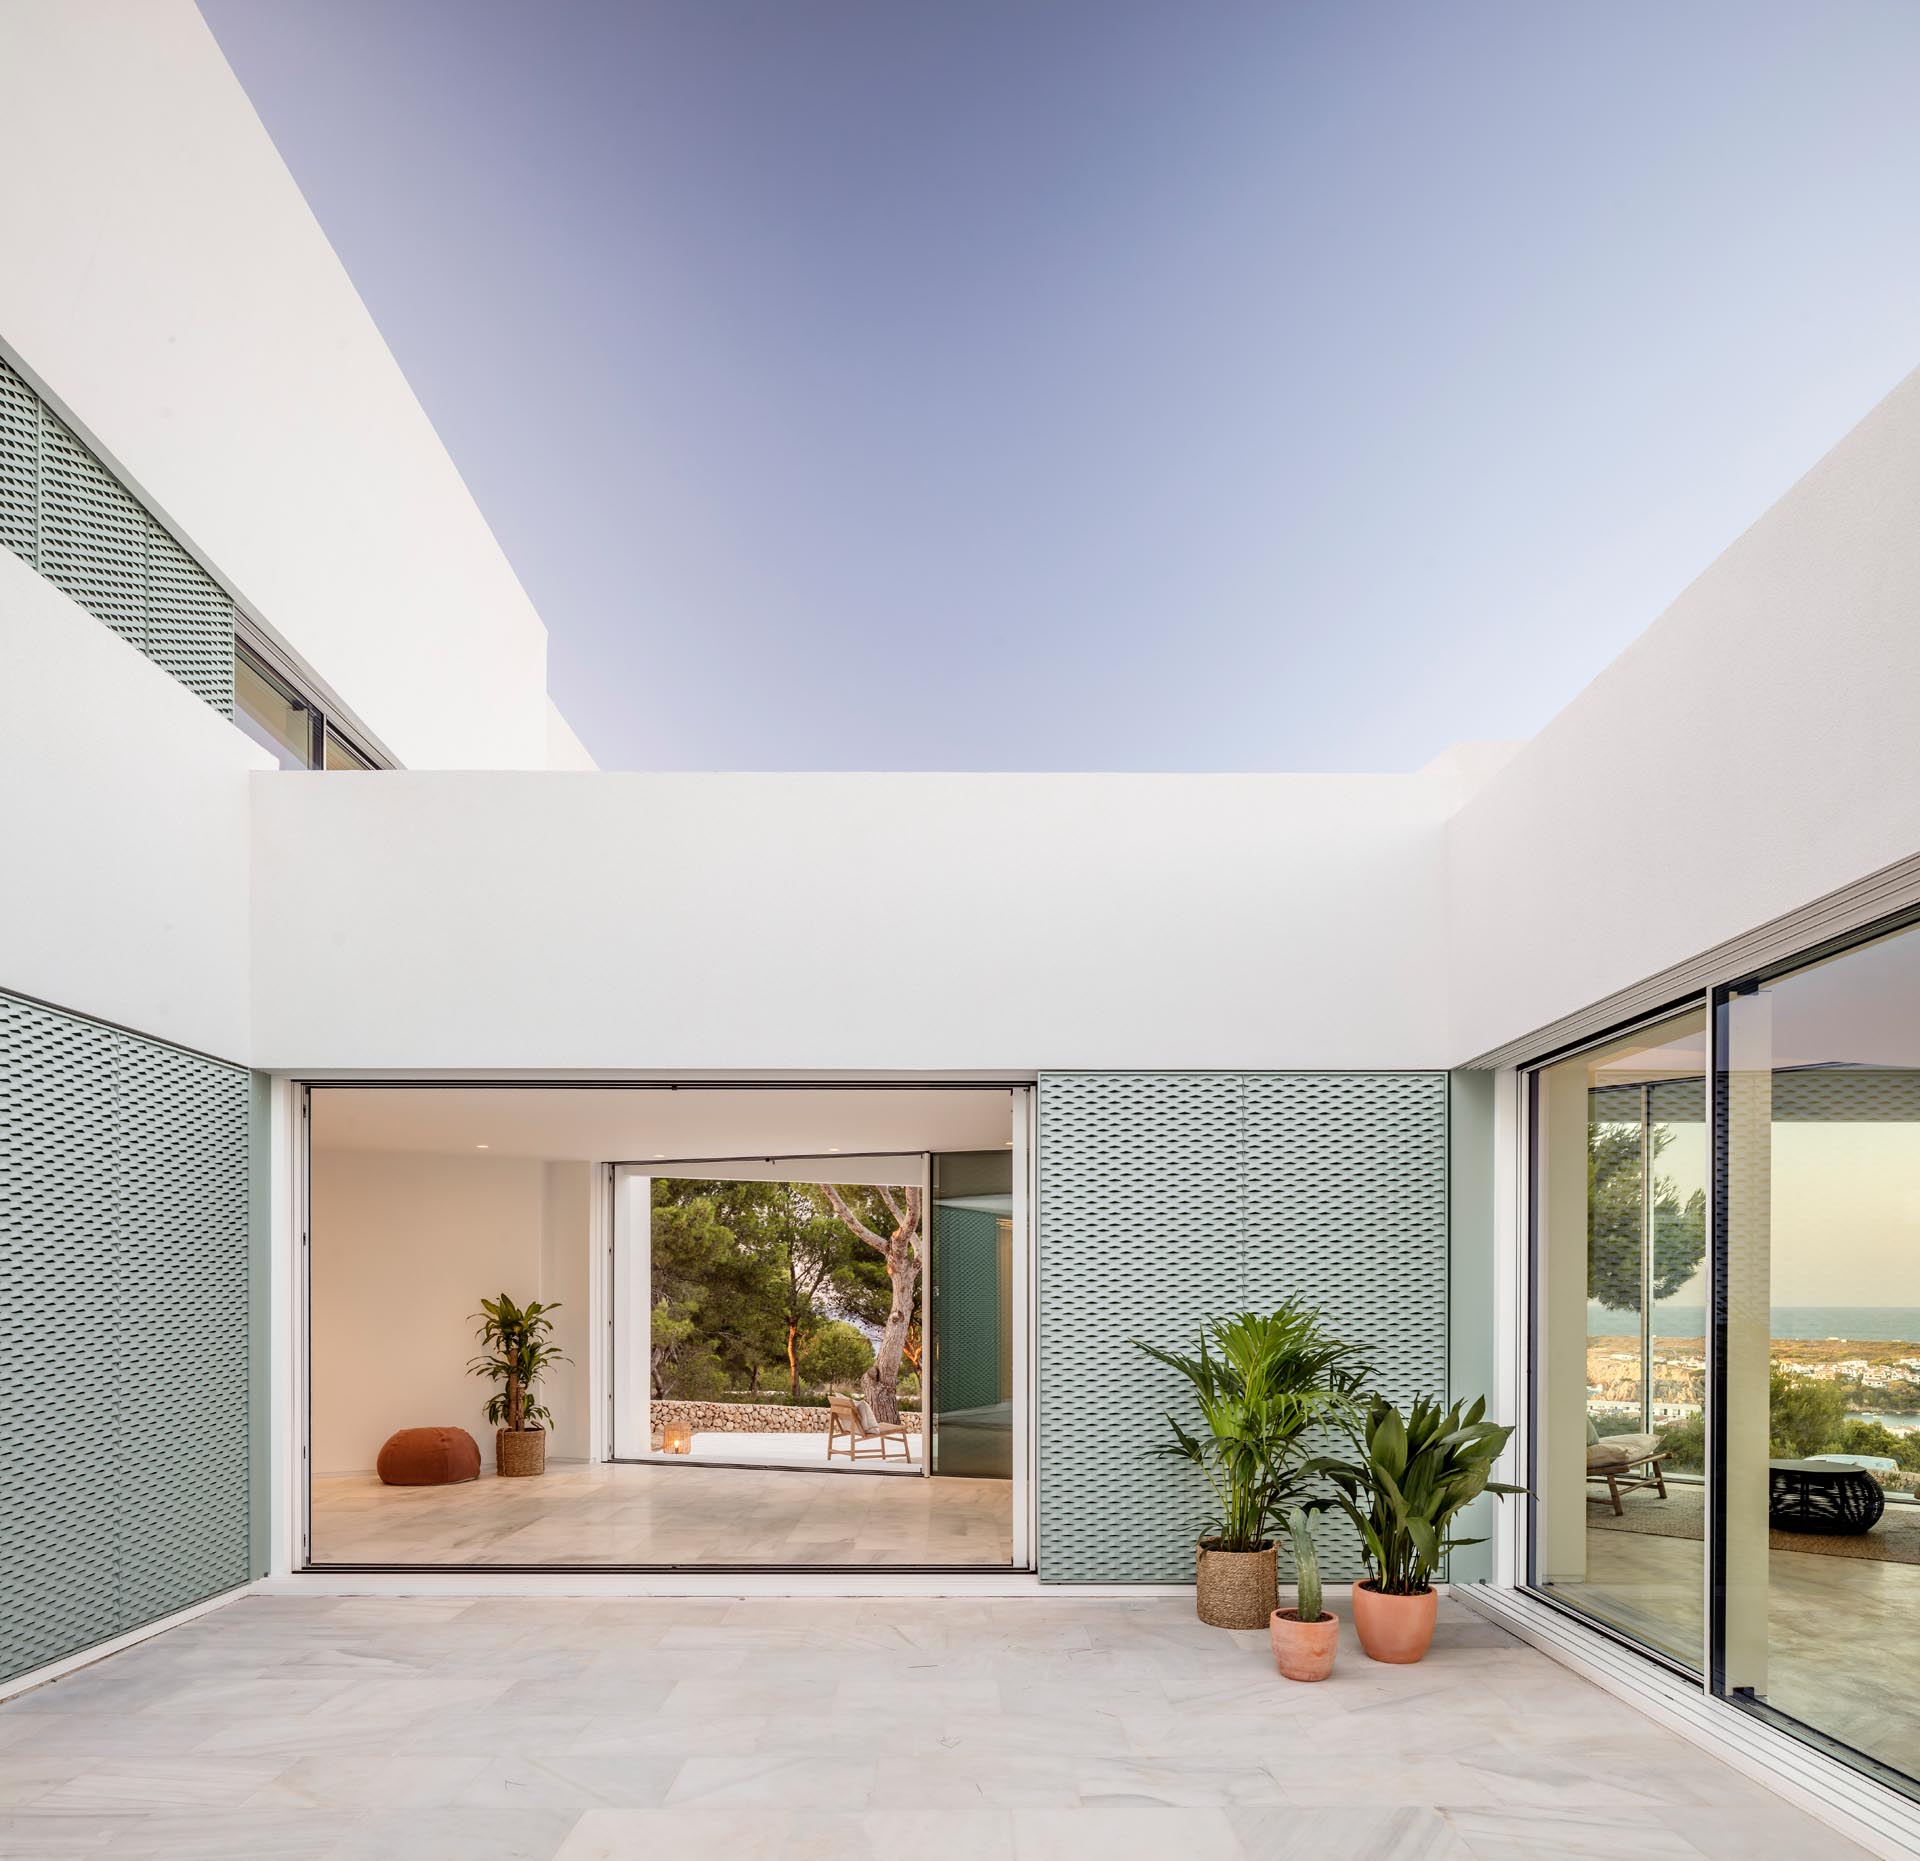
848, 922
1756, 748
127, 830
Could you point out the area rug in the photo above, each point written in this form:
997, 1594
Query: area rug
1683, 1514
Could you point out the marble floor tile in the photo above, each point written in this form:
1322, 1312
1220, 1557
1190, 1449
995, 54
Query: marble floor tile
628, 1513
844, 1729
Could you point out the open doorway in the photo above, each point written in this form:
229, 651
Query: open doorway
749, 1295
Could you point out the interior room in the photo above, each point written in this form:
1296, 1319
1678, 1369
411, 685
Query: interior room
667, 1327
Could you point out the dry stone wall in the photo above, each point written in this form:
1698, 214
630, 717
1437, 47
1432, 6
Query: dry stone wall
736, 1418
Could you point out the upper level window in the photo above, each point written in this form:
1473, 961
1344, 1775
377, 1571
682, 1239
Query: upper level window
271, 715
272, 710
340, 754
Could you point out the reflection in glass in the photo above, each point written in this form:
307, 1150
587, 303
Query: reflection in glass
270, 716
1620, 1245
340, 754
1820, 1093
972, 1292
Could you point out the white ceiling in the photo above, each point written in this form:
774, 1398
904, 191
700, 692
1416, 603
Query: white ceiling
641, 1124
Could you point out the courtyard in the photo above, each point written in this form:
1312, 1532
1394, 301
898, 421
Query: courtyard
985, 1730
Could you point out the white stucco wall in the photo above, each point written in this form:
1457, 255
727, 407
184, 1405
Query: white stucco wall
126, 833
404, 1248
163, 279
868, 922
1757, 747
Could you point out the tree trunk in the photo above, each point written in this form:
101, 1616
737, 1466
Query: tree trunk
515, 1399
881, 1384
901, 1251
793, 1361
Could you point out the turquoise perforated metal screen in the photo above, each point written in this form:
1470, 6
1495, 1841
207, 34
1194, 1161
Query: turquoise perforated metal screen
124, 1332
1169, 1198
65, 514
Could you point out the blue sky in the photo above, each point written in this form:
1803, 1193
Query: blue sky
882, 384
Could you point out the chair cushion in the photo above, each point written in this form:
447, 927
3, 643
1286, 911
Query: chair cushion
1620, 1450
429, 1457
869, 1422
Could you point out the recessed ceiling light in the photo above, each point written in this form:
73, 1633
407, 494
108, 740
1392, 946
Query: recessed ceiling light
833, 1149
483, 1146
659, 1156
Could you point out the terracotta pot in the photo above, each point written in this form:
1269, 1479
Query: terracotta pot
519, 1454
1303, 1650
1393, 1628
1236, 1589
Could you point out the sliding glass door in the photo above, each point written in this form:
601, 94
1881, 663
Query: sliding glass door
1724, 1432
1620, 1193
1818, 1088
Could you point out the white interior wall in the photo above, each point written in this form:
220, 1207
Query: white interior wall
566, 1260
126, 830
403, 1250
162, 278
757, 921
1756, 748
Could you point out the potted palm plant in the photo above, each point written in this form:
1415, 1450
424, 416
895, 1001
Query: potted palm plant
1412, 1476
1261, 1381
516, 1351
1304, 1637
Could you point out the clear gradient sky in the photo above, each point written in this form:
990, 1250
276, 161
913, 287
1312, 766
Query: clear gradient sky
1048, 384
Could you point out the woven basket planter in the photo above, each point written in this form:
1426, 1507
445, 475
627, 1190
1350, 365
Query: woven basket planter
1236, 1589
519, 1454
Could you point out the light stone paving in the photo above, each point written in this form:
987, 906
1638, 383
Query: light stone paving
660, 1513
844, 1730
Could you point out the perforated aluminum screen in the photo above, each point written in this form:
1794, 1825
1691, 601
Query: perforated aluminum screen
66, 515
123, 1332
1169, 1198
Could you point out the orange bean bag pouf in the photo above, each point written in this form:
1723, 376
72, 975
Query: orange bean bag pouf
429, 1457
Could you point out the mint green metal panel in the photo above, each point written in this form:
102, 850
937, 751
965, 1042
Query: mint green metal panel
19, 467
124, 1284
1470, 1340
1165, 1199
1140, 1237
63, 512
1346, 1187
259, 1321
60, 1313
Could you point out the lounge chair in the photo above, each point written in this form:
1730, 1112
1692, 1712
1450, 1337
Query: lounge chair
854, 1424
1625, 1463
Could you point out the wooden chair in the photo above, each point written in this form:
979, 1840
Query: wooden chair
860, 1434
1626, 1473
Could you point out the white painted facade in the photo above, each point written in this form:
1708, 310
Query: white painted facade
726, 922
126, 880
163, 282
496, 907
1756, 748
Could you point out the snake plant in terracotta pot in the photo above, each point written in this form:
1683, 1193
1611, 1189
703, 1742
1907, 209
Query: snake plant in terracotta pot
1260, 1380
1412, 1476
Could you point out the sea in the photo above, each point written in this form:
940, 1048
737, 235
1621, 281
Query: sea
1866, 1324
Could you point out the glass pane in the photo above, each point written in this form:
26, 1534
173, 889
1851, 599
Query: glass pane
270, 717
972, 1296
342, 755
1620, 1157
1821, 1097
